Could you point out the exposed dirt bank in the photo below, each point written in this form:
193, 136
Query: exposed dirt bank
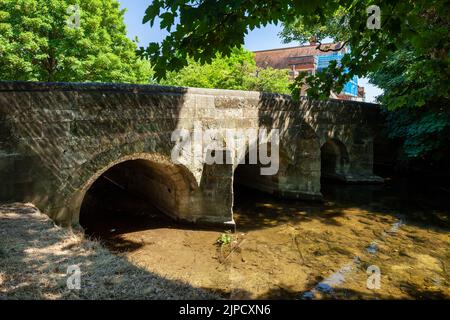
35, 255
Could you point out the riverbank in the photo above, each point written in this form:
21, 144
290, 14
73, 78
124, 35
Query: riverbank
35, 255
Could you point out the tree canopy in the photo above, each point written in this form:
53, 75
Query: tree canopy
419, 116
412, 71
39, 40
237, 71
201, 29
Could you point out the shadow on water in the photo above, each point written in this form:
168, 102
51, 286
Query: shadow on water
291, 247
256, 210
414, 292
109, 211
419, 202
416, 202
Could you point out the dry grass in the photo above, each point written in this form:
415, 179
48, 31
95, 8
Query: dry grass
35, 254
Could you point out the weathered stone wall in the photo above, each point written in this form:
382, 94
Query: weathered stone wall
57, 139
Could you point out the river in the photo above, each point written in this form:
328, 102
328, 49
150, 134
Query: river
388, 241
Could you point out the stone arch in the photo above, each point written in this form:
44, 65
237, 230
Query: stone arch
298, 173
167, 185
250, 174
335, 160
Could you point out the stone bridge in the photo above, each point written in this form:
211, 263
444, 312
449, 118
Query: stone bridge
57, 139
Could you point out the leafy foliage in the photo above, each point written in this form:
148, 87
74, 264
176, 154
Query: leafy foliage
36, 43
403, 25
201, 29
224, 239
412, 80
237, 71
418, 115
425, 132
302, 30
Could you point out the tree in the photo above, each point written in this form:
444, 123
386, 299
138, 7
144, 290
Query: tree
418, 116
237, 71
40, 40
201, 29
270, 80
302, 31
413, 73
414, 78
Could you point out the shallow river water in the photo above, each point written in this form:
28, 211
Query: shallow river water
299, 250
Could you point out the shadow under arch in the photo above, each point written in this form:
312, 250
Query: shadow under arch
151, 177
335, 160
295, 166
249, 186
249, 171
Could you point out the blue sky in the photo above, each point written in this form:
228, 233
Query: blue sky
258, 39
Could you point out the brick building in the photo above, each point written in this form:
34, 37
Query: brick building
308, 58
